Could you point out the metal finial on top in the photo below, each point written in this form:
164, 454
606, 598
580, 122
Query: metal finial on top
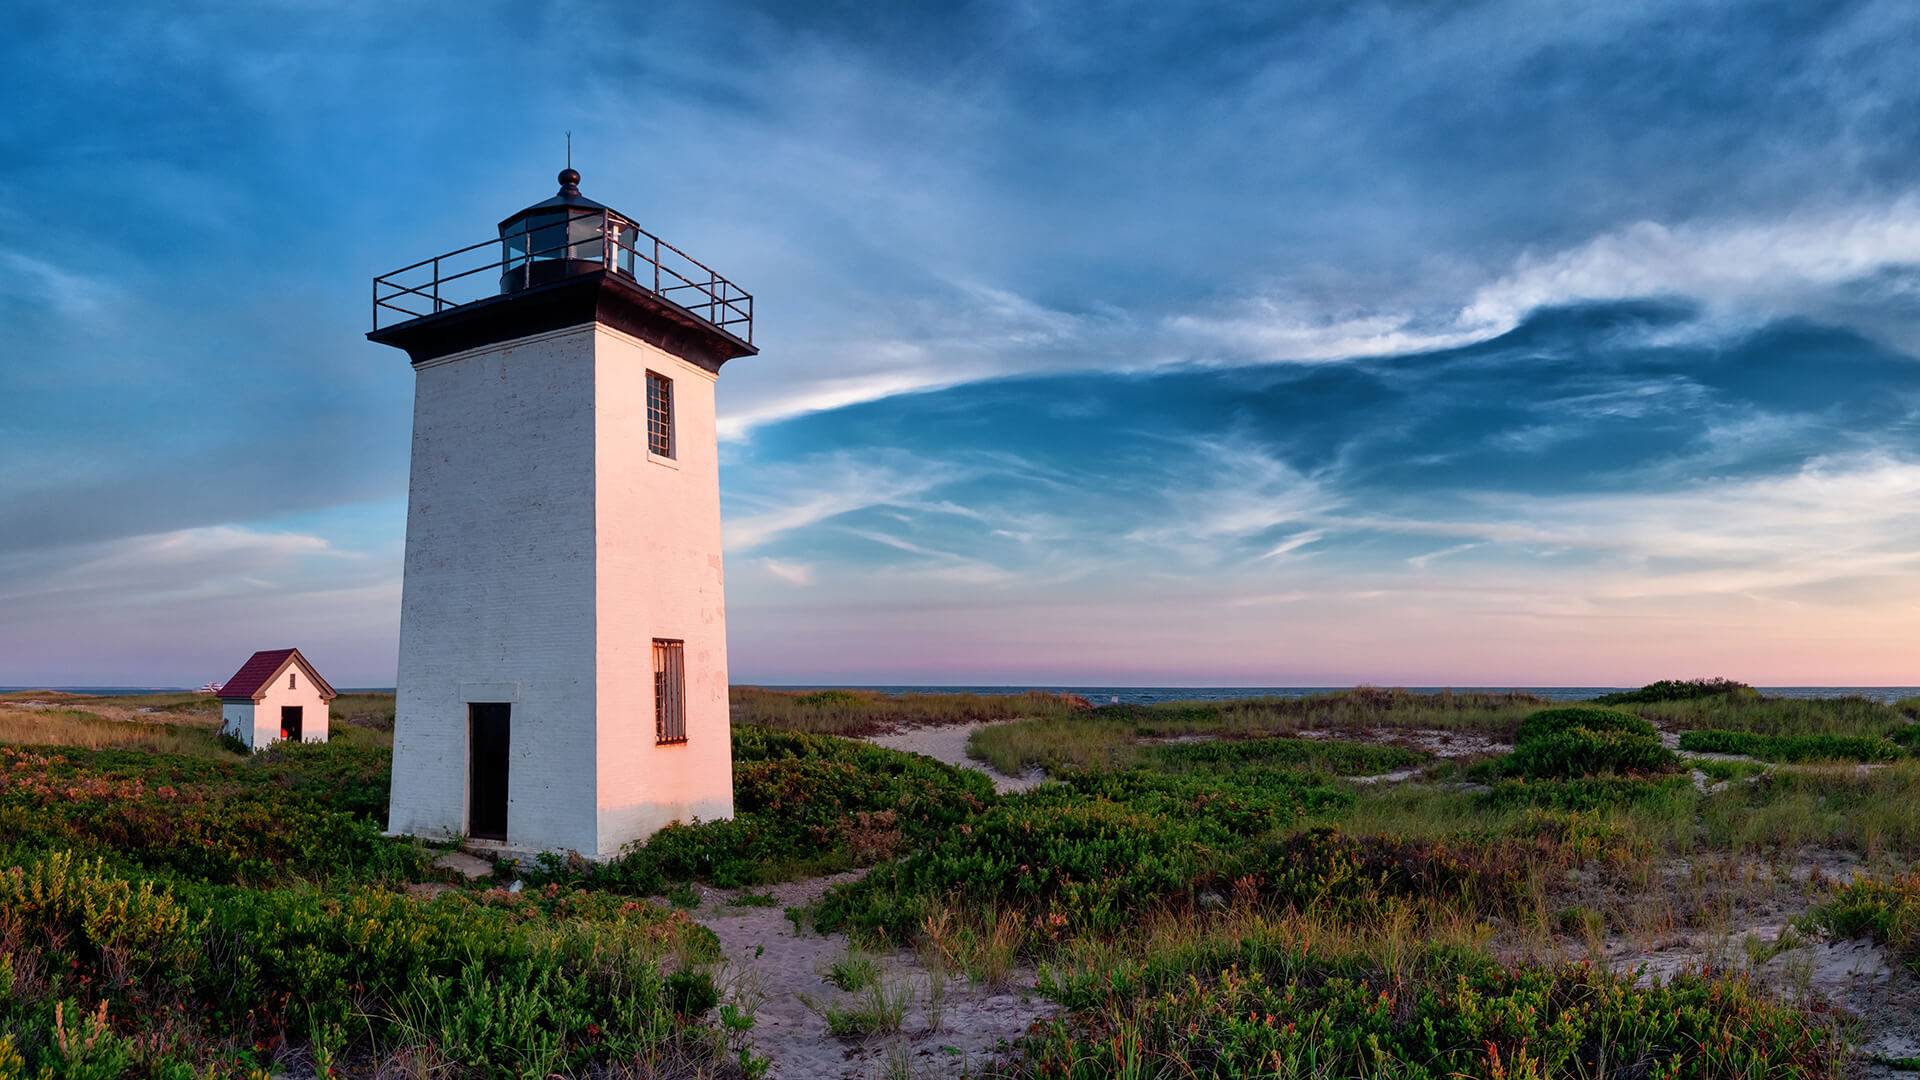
569, 180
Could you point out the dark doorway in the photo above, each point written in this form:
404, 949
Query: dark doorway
290, 722
487, 741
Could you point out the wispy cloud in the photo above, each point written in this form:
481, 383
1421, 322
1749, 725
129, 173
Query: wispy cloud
1235, 491
1814, 262
1757, 269
793, 573
798, 494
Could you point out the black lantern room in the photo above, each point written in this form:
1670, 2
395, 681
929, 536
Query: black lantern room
564, 262
566, 235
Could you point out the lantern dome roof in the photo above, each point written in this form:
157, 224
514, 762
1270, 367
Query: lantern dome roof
568, 200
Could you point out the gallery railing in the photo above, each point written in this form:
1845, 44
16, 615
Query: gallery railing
585, 242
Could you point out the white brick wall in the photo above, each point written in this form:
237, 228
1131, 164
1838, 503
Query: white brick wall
545, 552
660, 576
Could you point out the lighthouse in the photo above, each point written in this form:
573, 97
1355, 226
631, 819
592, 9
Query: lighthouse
562, 680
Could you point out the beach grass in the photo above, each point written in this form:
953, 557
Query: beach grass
869, 712
1113, 735
70, 726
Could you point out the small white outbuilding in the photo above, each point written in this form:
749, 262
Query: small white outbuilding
275, 695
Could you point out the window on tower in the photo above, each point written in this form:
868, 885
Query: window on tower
660, 414
669, 691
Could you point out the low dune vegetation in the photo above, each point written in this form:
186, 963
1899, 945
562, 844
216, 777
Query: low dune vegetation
869, 712
184, 911
1371, 883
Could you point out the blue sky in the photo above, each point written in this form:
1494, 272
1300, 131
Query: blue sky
1465, 343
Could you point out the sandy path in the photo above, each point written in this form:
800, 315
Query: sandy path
949, 744
950, 1026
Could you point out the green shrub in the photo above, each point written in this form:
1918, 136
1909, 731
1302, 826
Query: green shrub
1682, 690
1215, 806
1323, 869
256, 821
508, 986
93, 914
1085, 863
1549, 722
829, 697
1791, 748
1586, 793
1309, 1012
1850, 715
1884, 909
1327, 870
1579, 741
804, 804
691, 993
1339, 756
1090, 853
345, 777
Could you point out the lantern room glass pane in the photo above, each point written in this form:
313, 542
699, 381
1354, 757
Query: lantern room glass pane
547, 237
583, 238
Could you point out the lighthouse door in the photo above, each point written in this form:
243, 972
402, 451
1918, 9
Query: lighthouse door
487, 740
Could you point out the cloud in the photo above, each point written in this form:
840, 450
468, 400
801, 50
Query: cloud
1288, 329
160, 567
70, 295
1235, 491
181, 607
1759, 269
1815, 262
792, 573
798, 494
1424, 560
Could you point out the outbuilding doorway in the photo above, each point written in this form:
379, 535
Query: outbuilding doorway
290, 722
488, 730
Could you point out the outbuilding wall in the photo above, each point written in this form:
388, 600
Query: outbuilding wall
236, 719
313, 708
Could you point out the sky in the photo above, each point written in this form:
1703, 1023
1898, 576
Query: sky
1460, 343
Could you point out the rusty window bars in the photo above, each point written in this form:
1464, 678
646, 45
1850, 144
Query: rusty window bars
669, 691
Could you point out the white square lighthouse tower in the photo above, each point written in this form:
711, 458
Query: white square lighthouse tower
563, 651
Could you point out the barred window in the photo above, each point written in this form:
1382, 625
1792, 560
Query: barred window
669, 691
660, 414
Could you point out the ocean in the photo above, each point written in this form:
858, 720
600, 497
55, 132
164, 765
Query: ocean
1149, 695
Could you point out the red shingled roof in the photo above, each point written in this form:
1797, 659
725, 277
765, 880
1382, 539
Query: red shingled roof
264, 665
